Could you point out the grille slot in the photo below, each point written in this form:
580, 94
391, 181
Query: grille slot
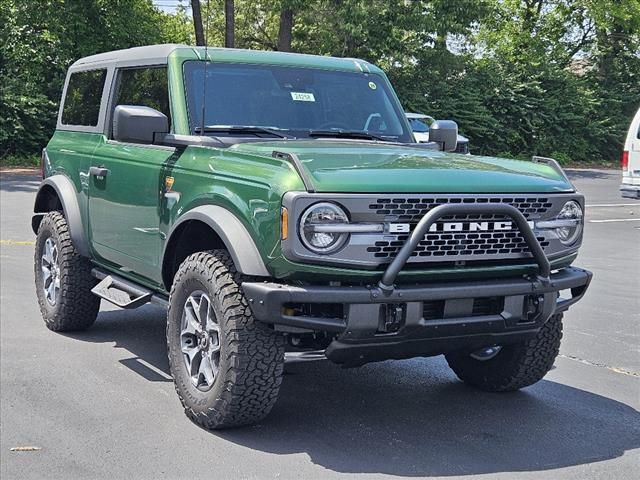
488, 306
433, 310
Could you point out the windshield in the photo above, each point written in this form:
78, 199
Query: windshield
302, 102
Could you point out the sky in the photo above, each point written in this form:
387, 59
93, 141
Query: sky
169, 6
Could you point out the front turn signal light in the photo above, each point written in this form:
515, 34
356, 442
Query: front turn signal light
284, 223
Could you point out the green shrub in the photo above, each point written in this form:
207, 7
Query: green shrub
29, 161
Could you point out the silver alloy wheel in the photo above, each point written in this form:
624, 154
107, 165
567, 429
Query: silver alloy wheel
50, 271
486, 353
200, 340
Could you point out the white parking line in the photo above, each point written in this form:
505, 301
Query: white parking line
610, 220
604, 205
153, 368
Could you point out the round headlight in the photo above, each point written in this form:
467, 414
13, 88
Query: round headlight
316, 228
571, 216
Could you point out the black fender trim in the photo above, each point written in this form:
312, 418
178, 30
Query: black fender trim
66, 192
233, 234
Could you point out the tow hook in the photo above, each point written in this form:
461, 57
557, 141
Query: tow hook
533, 305
393, 319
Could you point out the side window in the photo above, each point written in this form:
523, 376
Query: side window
82, 101
147, 87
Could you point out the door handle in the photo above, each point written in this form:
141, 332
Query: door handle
98, 171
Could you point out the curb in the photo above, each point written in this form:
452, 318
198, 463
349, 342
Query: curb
20, 171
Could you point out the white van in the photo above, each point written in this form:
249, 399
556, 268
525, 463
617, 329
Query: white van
630, 187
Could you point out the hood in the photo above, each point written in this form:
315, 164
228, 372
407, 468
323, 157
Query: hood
339, 166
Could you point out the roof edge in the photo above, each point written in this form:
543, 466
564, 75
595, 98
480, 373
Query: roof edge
147, 52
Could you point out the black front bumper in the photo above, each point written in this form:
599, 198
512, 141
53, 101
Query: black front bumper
390, 321
525, 304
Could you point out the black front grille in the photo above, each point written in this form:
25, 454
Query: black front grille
413, 209
465, 243
440, 244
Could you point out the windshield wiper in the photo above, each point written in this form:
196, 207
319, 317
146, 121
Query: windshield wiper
276, 132
347, 134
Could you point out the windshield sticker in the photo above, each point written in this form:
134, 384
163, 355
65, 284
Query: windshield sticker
303, 97
372, 86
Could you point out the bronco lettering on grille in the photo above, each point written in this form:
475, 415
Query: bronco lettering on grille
496, 226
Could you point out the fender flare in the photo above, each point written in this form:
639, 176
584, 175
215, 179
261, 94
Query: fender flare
66, 192
233, 234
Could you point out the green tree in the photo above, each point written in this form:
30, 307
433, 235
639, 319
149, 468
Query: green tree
576, 61
521, 77
41, 38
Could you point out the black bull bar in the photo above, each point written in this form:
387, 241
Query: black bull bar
392, 271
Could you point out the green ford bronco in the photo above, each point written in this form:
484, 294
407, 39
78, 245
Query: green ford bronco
276, 203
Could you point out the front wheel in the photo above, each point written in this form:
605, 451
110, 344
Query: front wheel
63, 278
510, 367
226, 366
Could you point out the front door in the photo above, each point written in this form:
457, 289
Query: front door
125, 188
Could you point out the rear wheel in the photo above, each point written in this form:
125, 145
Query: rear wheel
510, 367
226, 366
63, 278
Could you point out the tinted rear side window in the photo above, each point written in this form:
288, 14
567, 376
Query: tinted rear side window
147, 87
82, 102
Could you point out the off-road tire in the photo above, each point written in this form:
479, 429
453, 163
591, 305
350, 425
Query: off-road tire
515, 366
251, 358
76, 308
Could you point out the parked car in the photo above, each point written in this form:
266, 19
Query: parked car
420, 125
242, 192
630, 187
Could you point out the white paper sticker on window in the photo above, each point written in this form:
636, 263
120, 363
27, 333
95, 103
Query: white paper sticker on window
303, 97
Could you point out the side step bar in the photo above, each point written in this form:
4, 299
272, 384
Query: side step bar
123, 293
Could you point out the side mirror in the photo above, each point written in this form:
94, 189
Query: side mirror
138, 124
445, 132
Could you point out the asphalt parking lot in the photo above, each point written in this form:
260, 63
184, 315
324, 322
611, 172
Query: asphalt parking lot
100, 404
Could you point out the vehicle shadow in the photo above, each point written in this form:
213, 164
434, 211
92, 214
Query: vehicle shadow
413, 418
407, 418
14, 182
591, 174
140, 332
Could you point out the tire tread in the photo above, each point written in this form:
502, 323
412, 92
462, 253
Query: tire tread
254, 353
78, 307
521, 366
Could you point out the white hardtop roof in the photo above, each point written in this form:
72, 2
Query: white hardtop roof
148, 55
158, 54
